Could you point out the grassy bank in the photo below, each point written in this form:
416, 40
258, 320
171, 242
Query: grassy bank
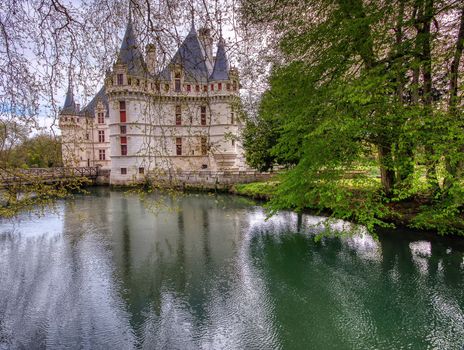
417, 212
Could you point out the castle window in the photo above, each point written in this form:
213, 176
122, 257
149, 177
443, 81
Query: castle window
101, 118
87, 136
219, 86
178, 116
228, 86
122, 111
232, 118
101, 154
124, 150
137, 82
101, 135
212, 87
123, 129
177, 82
129, 81
123, 171
179, 146
233, 142
141, 171
189, 88
123, 140
120, 78
203, 115
166, 87
205, 88
234, 84
197, 88
204, 145
158, 87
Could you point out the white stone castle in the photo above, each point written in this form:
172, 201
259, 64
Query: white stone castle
149, 119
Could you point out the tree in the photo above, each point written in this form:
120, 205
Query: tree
373, 80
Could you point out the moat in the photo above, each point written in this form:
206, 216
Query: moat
199, 271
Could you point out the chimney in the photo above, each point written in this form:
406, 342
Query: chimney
151, 58
207, 42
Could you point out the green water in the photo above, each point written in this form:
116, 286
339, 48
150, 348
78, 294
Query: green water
106, 271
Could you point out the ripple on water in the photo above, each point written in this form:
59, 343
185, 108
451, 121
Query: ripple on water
107, 273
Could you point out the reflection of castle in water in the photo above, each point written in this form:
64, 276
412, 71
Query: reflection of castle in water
212, 273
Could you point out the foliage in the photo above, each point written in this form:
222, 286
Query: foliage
362, 84
40, 151
258, 190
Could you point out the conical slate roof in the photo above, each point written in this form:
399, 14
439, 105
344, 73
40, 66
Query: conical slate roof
221, 64
191, 56
70, 106
130, 53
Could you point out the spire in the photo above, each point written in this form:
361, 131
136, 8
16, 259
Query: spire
129, 53
192, 13
221, 64
69, 106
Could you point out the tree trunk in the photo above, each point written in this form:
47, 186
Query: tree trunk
387, 174
452, 167
431, 172
404, 147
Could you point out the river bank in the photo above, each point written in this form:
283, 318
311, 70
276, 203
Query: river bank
411, 214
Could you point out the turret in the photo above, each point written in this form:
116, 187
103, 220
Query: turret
129, 53
70, 107
221, 64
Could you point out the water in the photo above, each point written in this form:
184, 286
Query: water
202, 272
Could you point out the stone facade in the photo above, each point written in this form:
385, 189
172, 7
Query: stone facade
152, 120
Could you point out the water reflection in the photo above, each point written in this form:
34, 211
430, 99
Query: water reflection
106, 272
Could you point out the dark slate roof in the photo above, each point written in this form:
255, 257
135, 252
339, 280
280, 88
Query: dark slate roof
130, 53
221, 64
191, 56
89, 110
70, 106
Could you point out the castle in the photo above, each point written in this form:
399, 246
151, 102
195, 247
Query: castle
149, 119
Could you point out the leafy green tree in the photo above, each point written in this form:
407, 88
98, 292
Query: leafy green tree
360, 84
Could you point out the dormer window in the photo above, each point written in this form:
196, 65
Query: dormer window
177, 82
197, 88
212, 87
219, 86
234, 84
101, 118
120, 78
166, 87
189, 88
205, 88
228, 86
